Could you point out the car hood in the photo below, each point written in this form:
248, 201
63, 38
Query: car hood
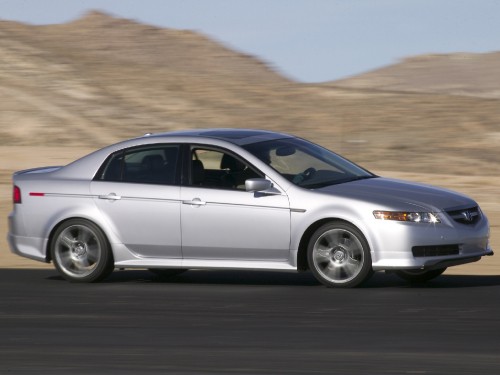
399, 195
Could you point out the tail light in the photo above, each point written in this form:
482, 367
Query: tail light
16, 195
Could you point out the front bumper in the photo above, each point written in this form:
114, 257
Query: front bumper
393, 242
431, 264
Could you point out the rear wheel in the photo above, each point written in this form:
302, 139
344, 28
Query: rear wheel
80, 251
339, 255
419, 276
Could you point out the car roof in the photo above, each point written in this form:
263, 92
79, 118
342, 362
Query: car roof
237, 136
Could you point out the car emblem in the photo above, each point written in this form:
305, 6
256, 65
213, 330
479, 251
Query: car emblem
467, 215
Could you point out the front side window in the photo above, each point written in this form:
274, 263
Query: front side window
156, 164
306, 164
213, 168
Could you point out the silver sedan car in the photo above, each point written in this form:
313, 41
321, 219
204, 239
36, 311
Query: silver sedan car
238, 199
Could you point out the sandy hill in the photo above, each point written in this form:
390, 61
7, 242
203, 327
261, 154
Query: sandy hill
98, 38
472, 74
100, 79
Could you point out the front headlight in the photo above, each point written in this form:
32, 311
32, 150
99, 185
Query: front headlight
413, 217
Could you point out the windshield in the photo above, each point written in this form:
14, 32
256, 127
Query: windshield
307, 164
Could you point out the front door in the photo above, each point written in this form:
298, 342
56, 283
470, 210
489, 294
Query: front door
220, 220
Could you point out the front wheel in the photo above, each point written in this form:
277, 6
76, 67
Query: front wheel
339, 255
419, 276
80, 252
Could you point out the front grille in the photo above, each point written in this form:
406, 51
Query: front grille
466, 216
434, 250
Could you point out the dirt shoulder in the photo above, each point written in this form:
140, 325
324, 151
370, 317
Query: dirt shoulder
482, 188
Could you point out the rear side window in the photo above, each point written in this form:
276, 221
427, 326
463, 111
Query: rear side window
146, 165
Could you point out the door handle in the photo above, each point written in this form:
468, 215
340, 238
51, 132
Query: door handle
195, 202
110, 197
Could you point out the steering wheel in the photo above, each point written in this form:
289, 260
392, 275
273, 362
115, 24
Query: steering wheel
304, 176
309, 173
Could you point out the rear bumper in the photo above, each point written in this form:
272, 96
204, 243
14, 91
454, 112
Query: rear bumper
28, 247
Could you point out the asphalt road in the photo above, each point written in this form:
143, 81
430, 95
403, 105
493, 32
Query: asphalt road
231, 322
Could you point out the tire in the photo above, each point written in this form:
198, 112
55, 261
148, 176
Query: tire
339, 256
165, 273
81, 252
419, 276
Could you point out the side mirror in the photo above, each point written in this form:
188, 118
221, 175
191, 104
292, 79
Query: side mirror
257, 184
260, 185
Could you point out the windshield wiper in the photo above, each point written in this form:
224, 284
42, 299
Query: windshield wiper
358, 178
322, 184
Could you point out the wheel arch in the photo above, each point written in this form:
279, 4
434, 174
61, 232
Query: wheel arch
302, 263
48, 253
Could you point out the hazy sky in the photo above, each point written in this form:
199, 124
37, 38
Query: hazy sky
306, 40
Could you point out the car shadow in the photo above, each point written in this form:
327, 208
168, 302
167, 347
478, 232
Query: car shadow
306, 279
382, 280
219, 277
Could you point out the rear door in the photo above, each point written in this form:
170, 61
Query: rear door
138, 192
